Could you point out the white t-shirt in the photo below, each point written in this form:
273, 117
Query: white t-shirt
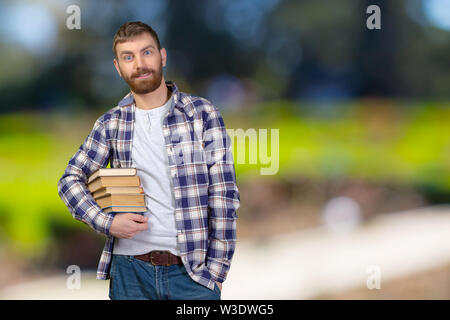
149, 157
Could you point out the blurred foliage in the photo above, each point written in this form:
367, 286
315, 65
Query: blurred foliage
348, 102
377, 140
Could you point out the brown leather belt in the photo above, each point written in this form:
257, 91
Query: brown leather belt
160, 258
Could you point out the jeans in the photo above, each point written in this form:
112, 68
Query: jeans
134, 279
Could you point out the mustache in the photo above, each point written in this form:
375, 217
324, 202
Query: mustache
140, 73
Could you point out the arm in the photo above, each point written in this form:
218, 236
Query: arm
223, 197
93, 154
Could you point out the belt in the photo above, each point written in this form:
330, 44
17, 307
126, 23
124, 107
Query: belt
160, 258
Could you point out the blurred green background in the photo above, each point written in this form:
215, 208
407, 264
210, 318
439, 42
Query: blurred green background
361, 113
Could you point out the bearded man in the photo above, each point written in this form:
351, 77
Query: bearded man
182, 247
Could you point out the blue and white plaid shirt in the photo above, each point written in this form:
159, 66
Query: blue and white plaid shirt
202, 170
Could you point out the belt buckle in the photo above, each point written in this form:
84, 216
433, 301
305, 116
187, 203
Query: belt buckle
151, 258
160, 252
168, 258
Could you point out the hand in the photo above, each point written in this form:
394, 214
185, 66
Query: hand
219, 285
127, 225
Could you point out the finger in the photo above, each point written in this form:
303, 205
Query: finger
142, 226
138, 227
137, 217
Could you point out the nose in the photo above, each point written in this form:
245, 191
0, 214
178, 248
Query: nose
139, 63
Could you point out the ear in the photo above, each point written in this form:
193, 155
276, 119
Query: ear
163, 56
116, 64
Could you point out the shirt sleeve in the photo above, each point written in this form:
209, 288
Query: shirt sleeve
223, 197
93, 154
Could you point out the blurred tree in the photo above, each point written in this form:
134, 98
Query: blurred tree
286, 49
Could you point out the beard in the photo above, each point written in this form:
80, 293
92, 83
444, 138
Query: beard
143, 86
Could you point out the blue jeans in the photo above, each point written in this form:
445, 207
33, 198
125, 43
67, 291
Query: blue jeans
134, 279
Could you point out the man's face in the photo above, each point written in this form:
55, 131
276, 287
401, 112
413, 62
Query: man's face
140, 63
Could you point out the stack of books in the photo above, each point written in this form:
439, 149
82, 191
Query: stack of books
117, 190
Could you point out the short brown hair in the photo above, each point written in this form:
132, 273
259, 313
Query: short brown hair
132, 29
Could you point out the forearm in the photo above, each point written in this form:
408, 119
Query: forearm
223, 205
219, 256
223, 196
93, 154
74, 193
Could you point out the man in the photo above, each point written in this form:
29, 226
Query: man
182, 247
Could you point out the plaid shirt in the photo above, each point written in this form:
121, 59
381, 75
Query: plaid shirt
202, 171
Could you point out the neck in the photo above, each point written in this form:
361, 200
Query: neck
153, 99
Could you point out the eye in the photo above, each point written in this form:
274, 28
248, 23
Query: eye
128, 57
147, 52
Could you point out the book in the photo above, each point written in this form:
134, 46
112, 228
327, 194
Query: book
114, 181
113, 190
131, 209
121, 200
107, 172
